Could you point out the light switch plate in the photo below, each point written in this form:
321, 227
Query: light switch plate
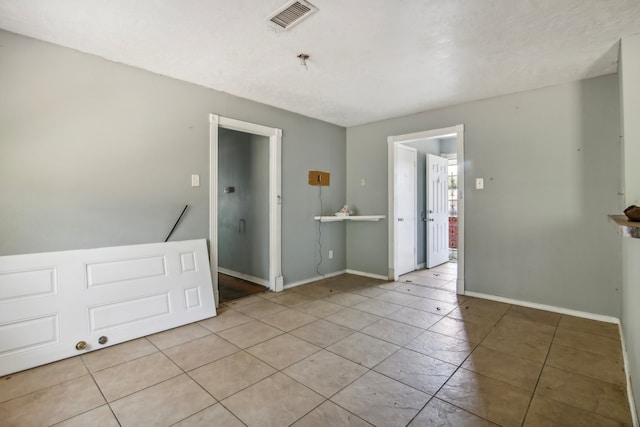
195, 180
479, 183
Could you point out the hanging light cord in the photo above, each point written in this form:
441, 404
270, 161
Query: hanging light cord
319, 233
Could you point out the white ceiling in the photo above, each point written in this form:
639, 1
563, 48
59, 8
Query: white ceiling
369, 59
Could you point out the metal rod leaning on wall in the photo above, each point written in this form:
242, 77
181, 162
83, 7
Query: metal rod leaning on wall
176, 224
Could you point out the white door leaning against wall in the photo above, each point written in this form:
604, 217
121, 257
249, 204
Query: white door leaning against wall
60, 304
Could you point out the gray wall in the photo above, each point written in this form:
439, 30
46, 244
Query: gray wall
94, 153
243, 215
538, 231
630, 102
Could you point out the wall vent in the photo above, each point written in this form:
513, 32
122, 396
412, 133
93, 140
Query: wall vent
291, 14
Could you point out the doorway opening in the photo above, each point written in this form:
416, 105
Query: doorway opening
233, 287
232, 218
243, 219
440, 208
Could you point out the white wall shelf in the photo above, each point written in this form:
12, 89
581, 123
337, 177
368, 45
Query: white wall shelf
624, 227
335, 218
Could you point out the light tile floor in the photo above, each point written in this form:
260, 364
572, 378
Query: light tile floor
345, 351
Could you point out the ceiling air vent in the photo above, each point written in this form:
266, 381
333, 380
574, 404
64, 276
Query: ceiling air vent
291, 14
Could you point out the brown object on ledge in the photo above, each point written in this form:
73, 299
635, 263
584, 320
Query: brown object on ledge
633, 213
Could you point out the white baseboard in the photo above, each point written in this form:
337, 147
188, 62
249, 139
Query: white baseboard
370, 275
247, 277
552, 308
632, 401
313, 279
420, 266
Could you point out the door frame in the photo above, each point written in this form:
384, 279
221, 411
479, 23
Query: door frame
276, 282
392, 144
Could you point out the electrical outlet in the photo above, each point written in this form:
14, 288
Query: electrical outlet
479, 183
195, 180
330, 254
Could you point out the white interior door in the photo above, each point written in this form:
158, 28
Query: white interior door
437, 213
405, 181
50, 302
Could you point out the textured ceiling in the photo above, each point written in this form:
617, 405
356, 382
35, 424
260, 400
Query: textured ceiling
370, 59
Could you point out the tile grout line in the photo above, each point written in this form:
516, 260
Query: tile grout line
460, 367
88, 372
328, 345
326, 399
126, 361
101, 393
238, 391
544, 363
427, 298
277, 371
582, 374
570, 372
181, 343
182, 372
325, 348
43, 388
368, 370
162, 351
216, 401
575, 373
